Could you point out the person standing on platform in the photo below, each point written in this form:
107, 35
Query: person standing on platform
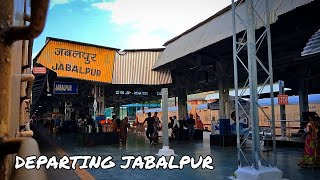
310, 158
79, 124
114, 118
170, 124
191, 123
91, 124
176, 127
124, 130
199, 124
157, 128
150, 127
57, 123
51, 123
187, 117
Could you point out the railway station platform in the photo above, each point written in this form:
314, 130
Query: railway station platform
224, 158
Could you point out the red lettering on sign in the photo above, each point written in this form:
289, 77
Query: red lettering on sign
283, 100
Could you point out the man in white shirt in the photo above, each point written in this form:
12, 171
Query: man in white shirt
175, 127
176, 123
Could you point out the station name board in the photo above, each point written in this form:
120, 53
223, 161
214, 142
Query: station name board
65, 88
74, 60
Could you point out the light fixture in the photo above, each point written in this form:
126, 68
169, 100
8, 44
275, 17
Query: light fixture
49, 94
40, 106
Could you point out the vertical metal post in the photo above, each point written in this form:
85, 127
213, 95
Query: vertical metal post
227, 97
175, 101
282, 111
270, 60
252, 63
222, 112
136, 108
95, 104
164, 92
182, 103
303, 97
235, 70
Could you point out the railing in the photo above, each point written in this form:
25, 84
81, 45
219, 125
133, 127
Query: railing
292, 124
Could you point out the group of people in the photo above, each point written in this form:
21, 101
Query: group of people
85, 124
311, 156
174, 127
54, 123
186, 123
153, 127
120, 126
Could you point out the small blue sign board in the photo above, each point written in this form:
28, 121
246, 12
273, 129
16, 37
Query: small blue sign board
65, 88
108, 112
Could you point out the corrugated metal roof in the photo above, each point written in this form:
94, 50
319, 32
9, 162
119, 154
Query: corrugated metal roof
81, 43
135, 67
313, 46
219, 27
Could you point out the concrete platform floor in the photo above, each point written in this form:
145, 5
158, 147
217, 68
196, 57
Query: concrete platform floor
47, 149
225, 159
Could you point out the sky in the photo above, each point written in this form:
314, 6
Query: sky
124, 24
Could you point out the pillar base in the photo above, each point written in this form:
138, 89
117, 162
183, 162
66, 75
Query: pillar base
165, 151
264, 173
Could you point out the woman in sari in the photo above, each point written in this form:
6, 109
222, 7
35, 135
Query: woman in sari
124, 130
310, 157
157, 128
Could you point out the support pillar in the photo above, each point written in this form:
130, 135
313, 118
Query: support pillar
67, 111
255, 171
252, 64
95, 103
282, 111
303, 98
227, 98
182, 103
223, 84
222, 111
116, 110
101, 104
100, 101
165, 151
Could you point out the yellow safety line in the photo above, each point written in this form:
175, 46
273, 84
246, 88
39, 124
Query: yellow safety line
82, 173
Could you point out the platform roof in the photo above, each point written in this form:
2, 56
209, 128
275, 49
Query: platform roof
313, 45
193, 55
219, 27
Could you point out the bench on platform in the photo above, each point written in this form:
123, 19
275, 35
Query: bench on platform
183, 134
